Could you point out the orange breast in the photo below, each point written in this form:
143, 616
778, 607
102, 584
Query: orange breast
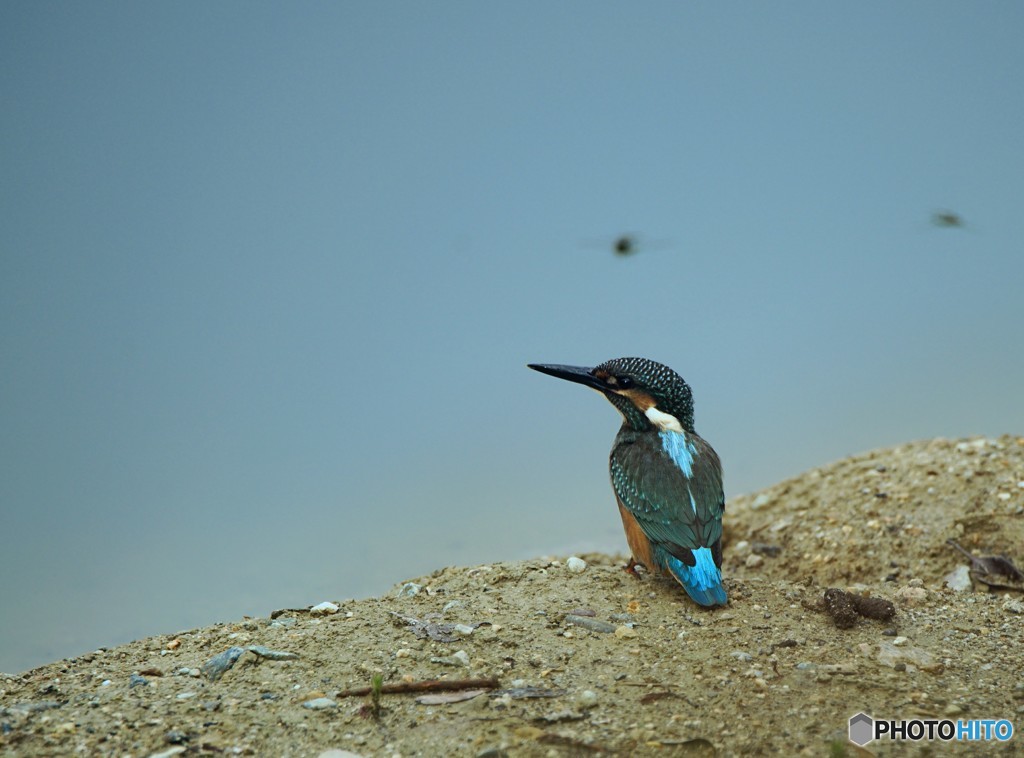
639, 545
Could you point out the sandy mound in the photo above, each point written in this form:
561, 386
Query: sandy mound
589, 659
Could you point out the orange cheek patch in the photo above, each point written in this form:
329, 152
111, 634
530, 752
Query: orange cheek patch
639, 398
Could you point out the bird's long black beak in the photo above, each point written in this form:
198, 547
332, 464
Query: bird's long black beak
578, 374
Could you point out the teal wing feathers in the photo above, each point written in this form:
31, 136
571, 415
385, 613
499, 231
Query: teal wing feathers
675, 493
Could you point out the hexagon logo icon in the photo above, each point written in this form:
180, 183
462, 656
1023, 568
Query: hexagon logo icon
862, 729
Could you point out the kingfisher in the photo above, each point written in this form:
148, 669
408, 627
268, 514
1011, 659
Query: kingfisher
667, 480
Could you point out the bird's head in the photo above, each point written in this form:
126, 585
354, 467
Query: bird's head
647, 394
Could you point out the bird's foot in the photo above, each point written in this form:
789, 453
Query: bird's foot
630, 568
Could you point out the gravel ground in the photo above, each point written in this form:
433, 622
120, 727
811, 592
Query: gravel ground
584, 659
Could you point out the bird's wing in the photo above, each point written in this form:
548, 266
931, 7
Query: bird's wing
679, 510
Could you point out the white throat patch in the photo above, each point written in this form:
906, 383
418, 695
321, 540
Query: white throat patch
665, 422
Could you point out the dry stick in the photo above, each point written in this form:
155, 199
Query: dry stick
430, 685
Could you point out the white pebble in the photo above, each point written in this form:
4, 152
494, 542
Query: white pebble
959, 579
899, 641
323, 609
587, 699
576, 565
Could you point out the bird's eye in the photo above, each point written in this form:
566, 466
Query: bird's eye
625, 382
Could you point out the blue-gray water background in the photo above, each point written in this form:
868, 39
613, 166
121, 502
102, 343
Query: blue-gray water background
270, 274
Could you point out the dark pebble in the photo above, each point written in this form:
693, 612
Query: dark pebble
216, 666
176, 737
763, 548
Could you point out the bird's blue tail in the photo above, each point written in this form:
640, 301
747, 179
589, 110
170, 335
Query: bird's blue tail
703, 580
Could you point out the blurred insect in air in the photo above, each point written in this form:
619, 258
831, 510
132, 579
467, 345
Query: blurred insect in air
628, 244
625, 245
947, 220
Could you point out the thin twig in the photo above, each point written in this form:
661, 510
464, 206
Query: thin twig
430, 685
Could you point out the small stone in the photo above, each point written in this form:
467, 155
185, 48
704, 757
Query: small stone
464, 629
272, 655
959, 579
890, 655
753, 561
626, 632
461, 658
912, 595
576, 565
325, 608
320, 704
586, 699
137, 681
216, 666
169, 753
410, 589
740, 655
1013, 605
594, 625
900, 641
